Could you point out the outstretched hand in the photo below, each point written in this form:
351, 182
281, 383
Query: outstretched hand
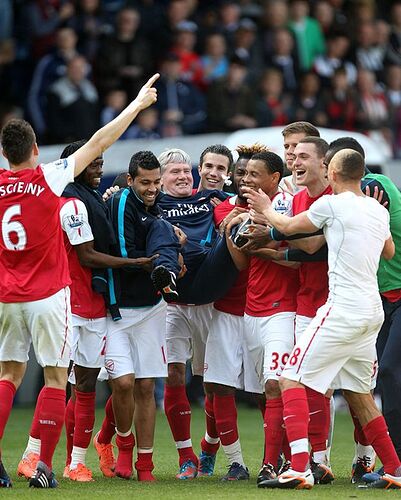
258, 201
148, 94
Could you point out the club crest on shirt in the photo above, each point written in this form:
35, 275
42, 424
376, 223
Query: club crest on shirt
63, 163
75, 220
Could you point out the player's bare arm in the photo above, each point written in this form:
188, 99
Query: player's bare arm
89, 257
388, 249
107, 135
260, 203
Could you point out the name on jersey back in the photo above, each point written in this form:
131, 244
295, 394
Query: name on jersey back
21, 188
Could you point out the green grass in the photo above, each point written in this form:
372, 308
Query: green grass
165, 458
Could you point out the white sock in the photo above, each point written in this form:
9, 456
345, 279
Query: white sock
320, 457
233, 453
33, 446
331, 428
78, 456
366, 451
123, 434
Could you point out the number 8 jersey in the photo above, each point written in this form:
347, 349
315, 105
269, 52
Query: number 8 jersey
33, 261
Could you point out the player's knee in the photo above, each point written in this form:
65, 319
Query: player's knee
123, 385
176, 374
86, 379
144, 389
272, 389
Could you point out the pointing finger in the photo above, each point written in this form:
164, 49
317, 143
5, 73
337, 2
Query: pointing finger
152, 80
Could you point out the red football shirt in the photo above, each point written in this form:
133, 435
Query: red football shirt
272, 288
85, 302
234, 300
313, 277
33, 260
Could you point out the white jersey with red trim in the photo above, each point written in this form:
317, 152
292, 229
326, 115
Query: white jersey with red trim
33, 261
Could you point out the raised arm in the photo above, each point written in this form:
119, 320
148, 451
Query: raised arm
107, 135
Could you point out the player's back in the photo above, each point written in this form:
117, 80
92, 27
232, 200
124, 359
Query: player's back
355, 234
33, 263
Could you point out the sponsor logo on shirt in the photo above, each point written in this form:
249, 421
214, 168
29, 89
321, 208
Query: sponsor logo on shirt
75, 220
183, 209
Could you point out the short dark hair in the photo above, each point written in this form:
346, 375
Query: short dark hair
301, 128
352, 165
343, 143
218, 149
121, 180
17, 140
142, 159
72, 148
272, 161
320, 144
246, 152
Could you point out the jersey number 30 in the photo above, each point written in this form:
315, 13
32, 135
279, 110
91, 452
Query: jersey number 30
13, 232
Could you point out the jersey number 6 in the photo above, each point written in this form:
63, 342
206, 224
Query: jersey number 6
13, 228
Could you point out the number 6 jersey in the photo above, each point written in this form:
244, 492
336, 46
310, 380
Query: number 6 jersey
33, 261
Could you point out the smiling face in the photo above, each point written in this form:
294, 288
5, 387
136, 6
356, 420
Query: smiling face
213, 171
177, 179
93, 173
308, 166
238, 176
290, 143
146, 185
258, 176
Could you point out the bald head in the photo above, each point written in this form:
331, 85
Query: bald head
348, 164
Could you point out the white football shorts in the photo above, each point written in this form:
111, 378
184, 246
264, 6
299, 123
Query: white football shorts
46, 323
136, 344
227, 359
337, 351
187, 329
270, 340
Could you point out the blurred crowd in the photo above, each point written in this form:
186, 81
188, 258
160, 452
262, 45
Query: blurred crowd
69, 66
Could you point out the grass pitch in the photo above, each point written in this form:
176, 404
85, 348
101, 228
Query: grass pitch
166, 466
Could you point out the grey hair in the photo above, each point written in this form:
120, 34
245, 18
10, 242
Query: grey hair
173, 155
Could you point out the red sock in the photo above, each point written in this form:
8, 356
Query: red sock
317, 420
274, 431
35, 426
108, 428
69, 428
125, 446
225, 413
377, 435
359, 435
51, 420
178, 413
144, 466
84, 418
296, 419
7, 393
211, 431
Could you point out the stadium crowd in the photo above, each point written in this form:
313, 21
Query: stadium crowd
225, 65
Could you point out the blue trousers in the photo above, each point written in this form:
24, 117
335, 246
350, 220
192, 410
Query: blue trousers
389, 376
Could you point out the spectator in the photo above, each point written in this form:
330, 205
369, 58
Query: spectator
285, 58
51, 67
374, 112
274, 107
146, 125
44, 17
307, 32
274, 18
324, 15
89, 24
231, 101
309, 105
368, 54
181, 105
394, 53
247, 47
340, 102
393, 87
6, 20
214, 61
73, 105
123, 59
7, 57
185, 40
230, 14
337, 49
